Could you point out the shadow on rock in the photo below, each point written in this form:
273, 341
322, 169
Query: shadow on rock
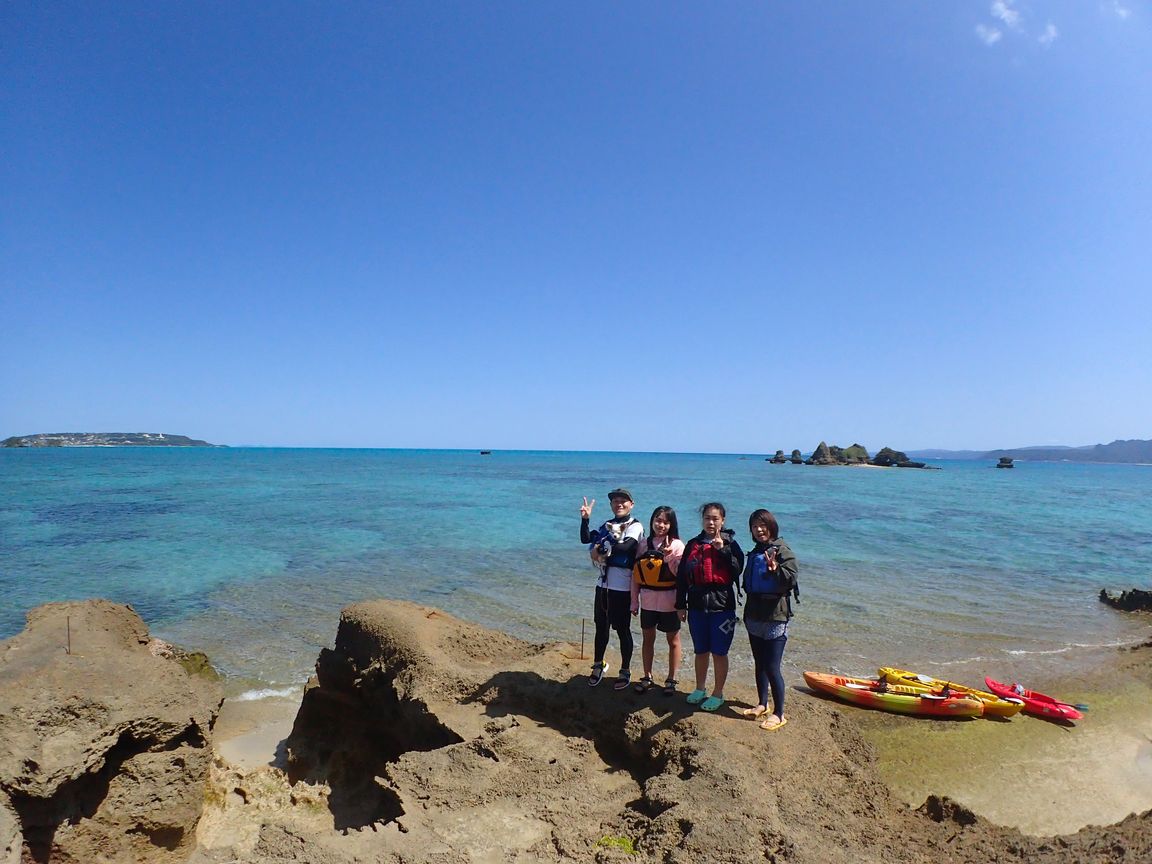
349, 728
620, 724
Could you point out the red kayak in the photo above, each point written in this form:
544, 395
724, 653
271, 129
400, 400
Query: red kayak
1035, 703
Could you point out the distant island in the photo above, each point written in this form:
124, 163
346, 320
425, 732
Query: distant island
857, 454
1130, 451
104, 439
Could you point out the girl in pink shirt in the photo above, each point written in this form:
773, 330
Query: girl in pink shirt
654, 594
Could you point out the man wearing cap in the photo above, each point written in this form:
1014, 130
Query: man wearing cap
613, 549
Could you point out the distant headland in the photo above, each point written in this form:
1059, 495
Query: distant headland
104, 439
1131, 451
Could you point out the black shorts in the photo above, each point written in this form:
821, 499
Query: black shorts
665, 622
614, 608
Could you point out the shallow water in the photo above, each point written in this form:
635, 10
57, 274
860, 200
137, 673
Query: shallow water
250, 553
1041, 777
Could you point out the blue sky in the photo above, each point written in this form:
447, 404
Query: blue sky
673, 226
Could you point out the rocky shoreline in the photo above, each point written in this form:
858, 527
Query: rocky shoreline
423, 738
1134, 600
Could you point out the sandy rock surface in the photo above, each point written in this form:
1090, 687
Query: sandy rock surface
10, 836
426, 739
423, 738
104, 747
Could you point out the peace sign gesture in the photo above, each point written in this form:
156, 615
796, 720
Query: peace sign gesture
586, 507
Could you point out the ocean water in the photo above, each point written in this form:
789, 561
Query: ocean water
249, 554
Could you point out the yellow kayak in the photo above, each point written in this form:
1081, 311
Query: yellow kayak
898, 698
994, 706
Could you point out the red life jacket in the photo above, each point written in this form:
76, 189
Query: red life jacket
706, 567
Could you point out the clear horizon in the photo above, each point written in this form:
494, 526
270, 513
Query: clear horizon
642, 228
787, 450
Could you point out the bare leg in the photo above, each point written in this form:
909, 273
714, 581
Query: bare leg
673, 654
648, 649
701, 670
721, 666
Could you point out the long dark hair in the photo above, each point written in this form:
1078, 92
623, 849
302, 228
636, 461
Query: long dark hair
669, 514
768, 519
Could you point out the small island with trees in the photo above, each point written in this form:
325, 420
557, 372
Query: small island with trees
857, 454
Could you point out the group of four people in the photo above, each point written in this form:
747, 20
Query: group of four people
667, 581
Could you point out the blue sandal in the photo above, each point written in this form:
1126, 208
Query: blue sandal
696, 697
712, 703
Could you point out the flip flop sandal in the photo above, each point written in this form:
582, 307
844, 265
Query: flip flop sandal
769, 726
644, 685
696, 697
712, 703
670, 687
753, 713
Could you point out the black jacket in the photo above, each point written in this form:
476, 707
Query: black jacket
709, 598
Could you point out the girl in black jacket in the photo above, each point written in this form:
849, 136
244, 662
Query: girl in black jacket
706, 599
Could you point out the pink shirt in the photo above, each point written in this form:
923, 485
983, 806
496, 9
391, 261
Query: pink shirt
647, 598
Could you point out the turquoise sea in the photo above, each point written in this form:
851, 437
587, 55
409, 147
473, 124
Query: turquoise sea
250, 553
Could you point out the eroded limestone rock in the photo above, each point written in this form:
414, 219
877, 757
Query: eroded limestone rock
104, 747
442, 741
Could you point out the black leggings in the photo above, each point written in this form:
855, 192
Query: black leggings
766, 655
613, 610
